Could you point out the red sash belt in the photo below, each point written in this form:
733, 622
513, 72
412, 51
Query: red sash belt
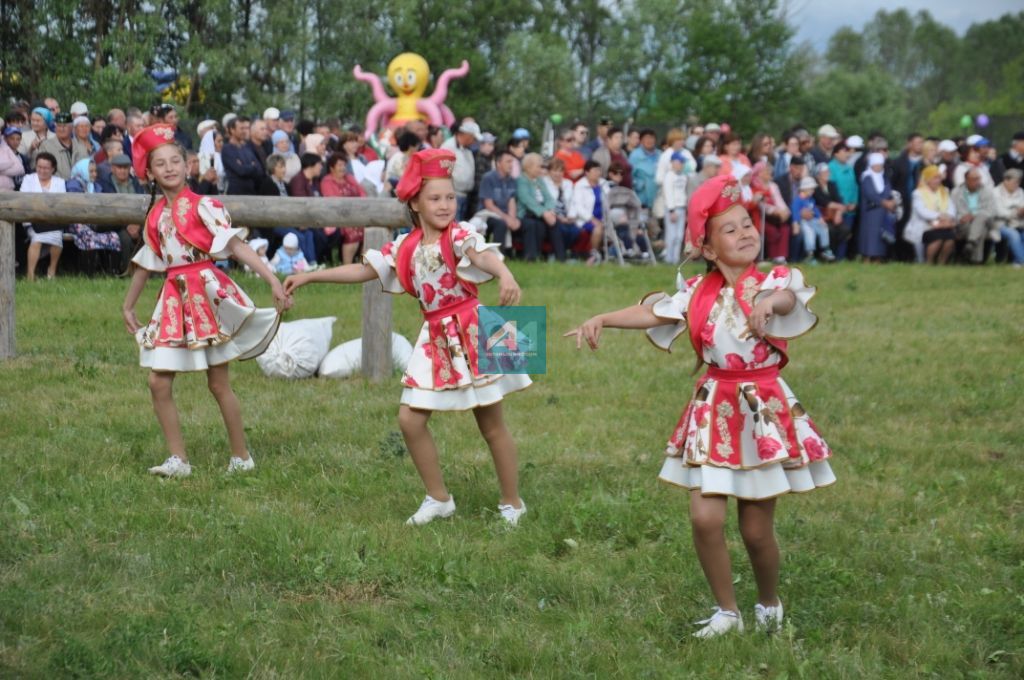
754, 375
456, 309
190, 268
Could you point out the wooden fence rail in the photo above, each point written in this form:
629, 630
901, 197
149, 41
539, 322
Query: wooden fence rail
249, 211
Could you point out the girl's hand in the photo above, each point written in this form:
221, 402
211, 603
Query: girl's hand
294, 282
760, 316
131, 322
282, 300
508, 291
590, 331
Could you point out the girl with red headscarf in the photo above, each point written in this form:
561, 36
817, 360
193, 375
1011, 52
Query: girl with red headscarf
440, 262
743, 433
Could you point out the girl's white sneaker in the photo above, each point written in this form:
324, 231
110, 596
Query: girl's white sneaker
769, 619
430, 510
721, 622
236, 464
510, 514
172, 467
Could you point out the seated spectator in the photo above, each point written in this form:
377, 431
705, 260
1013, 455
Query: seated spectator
339, 183
201, 182
536, 210
464, 173
65, 147
625, 215
971, 158
1009, 214
12, 169
408, 144
612, 152
121, 181
590, 205
44, 180
306, 184
1013, 159
949, 158
498, 207
289, 258
709, 165
932, 225
776, 211
807, 222
790, 150
283, 148
975, 208
518, 146
561, 190
89, 239
569, 154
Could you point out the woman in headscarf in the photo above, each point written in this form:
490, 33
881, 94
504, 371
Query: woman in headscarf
876, 210
776, 212
284, 148
39, 121
209, 147
932, 226
86, 237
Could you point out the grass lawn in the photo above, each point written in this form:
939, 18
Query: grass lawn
912, 566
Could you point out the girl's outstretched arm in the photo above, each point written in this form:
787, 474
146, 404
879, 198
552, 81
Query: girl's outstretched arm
139, 278
508, 290
244, 253
636, 316
349, 273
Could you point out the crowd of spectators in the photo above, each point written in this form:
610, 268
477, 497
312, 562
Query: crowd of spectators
621, 192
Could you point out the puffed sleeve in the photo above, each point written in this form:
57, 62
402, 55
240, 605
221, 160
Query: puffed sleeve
801, 319
465, 238
147, 259
672, 308
218, 222
383, 262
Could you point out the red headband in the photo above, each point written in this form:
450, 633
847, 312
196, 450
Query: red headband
711, 198
152, 137
426, 164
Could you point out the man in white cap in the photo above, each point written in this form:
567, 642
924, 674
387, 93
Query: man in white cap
464, 174
272, 115
713, 131
79, 109
856, 144
949, 157
827, 138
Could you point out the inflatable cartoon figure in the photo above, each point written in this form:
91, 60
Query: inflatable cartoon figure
408, 75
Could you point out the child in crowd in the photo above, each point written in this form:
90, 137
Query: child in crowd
807, 221
289, 258
675, 207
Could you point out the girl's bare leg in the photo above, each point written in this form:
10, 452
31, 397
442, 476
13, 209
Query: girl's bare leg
707, 519
419, 441
503, 450
161, 387
757, 526
218, 379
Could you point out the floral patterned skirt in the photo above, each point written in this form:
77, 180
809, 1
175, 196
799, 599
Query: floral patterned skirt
202, 319
744, 434
86, 239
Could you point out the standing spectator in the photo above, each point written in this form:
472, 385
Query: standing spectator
435, 137
518, 149
315, 143
588, 148
287, 123
849, 193
822, 152
709, 166
713, 131
674, 186
39, 122
282, 144
703, 149
338, 182
644, 161
568, 153
906, 175
166, 113
675, 142
1009, 214
81, 138
117, 117
1013, 159
783, 244
536, 210
762, 148
932, 225
581, 134
971, 158
210, 154
877, 225
774, 208
62, 146
498, 200
790, 150
975, 208
12, 169
44, 180
632, 141
408, 144
590, 205
201, 180
242, 168
612, 152
830, 205
694, 133
133, 126
856, 146
483, 164
259, 141
464, 173
949, 158
730, 150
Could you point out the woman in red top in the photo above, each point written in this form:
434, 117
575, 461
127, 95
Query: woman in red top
339, 183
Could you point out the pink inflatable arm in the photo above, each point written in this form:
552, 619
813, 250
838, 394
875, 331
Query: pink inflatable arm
433, 112
379, 113
447, 116
379, 94
441, 91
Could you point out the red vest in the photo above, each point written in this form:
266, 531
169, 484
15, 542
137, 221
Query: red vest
185, 214
406, 249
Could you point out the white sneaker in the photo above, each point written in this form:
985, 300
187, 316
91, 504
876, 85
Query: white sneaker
511, 514
430, 510
236, 464
172, 467
768, 618
720, 623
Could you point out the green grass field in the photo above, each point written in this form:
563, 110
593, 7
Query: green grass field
912, 566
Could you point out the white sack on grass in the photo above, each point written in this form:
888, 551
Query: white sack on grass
298, 348
346, 359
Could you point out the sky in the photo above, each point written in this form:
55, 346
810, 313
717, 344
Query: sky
817, 20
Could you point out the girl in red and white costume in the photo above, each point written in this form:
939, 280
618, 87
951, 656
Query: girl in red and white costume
202, 319
440, 262
743, 434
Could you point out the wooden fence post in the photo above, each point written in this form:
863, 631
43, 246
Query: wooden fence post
7, 349
376, 344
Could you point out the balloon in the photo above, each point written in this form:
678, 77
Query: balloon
981, 120
726, 128
556, 118
966, 120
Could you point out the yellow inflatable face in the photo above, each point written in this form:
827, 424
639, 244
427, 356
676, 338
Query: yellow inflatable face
408, 74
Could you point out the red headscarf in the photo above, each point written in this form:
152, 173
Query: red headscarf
152, 137
423, 165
